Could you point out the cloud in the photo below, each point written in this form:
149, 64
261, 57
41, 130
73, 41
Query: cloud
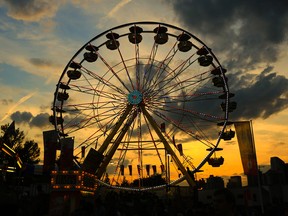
257, 95
261, 97
32, 10
41, 120
21, 117
38, 62
22, 100
249, 32
248, 35
118, 7
6, 102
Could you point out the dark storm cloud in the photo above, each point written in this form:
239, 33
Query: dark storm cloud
41, 120
21, 117
267, 95
248, 31
249, 34
31, 10
257, 96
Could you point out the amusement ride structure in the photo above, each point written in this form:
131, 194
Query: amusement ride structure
139, 96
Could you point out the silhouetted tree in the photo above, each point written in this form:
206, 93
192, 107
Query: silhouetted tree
27, 150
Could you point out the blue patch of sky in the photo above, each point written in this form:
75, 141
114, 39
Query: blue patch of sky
11, 28
13, 76
6, 23
74, 24
3, 12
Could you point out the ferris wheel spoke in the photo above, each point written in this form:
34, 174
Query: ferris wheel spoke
82, 108
125, 147
166, 61
177, 88
110, 113
93, 92
89, 141
164, 81
180, 68
103, 81
83, 119
202, 133
137, 63
125, 67
193, 133
126, 144
98, 134
151, 59
116, 143
171, 107
182, 119
161, 67
113, 72
153, 140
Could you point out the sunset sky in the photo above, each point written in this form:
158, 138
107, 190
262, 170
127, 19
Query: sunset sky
250, 39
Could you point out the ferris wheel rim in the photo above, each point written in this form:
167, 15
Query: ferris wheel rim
130, 94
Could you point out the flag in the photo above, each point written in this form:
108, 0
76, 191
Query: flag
154, 168
83, 148
148, 169
130, 169
122, 169
246, 144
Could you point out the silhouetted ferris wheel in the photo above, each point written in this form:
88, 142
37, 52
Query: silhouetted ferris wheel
139, 97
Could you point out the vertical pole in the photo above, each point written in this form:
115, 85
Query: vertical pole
168, 168
258, 175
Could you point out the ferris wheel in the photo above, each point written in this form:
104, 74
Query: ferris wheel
139, 97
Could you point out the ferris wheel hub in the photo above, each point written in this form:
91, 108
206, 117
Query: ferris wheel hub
135, 97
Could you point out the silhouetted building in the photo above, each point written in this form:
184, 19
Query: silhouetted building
275, 180
277, 175
234, 182
214, 182
253, 180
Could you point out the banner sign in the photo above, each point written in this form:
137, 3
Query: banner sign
246, 144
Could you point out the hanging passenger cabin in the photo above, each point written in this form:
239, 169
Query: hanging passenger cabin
216, 162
